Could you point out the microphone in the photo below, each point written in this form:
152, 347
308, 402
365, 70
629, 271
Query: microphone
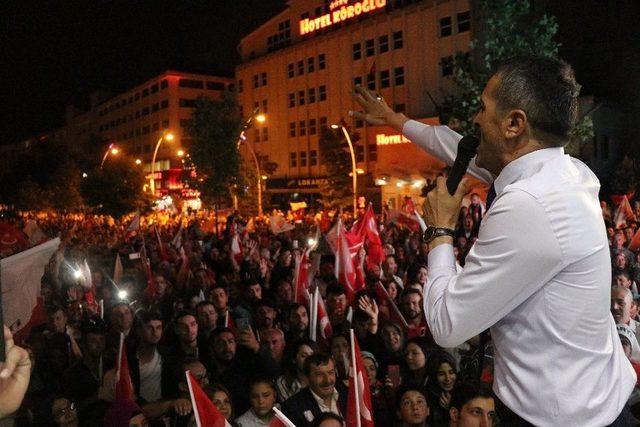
467, 148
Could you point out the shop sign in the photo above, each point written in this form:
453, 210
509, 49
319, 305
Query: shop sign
383, 139
339, 11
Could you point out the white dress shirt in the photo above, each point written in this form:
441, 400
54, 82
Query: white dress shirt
540, 276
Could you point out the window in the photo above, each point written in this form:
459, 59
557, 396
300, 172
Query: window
164, 104
191, 83
155, 107
302, 131
145, 130
145, 92
357, 81
240, 86
383, 44
398, 42
256, 135
256, 81
398, 74
156, 126
145, 111
464, 21
304, 16
311, 93
290, 72
323, 122
301, 97
312, 127
265, 133
300, 68
165, 124
185, 123
313, 158
322, 94
163, 85
293, 160
359, 153
187, 103
357, 51
292, 129
264, 79
371, 81
359, 123
445, 26
369, 48
446, 66
138, 114
154, 88
265, 106
292, 100
321, 61
303, 158
385, 80
215, 85
311, 64
137, 96
373, 152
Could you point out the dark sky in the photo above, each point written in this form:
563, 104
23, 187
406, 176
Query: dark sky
55, 52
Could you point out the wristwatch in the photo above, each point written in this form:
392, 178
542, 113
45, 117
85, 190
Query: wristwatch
432, 232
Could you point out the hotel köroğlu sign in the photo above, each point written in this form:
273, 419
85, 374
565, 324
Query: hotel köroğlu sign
340, 10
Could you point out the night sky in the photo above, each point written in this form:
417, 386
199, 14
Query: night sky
54, 53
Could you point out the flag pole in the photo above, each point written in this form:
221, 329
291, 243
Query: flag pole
282, 417
120, 355
193, 400
355, 378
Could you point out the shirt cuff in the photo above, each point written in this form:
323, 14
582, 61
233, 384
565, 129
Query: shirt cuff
442, 257
412, 128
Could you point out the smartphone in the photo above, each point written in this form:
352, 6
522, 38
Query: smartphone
134, 255
243, 323
394, 375
295, 244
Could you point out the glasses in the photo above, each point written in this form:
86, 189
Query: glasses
64, 411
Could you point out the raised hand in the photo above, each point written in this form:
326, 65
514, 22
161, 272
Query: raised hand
14, 376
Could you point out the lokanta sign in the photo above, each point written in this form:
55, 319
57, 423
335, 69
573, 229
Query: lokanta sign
340, 11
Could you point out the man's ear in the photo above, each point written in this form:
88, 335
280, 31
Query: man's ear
453, 414
514, 124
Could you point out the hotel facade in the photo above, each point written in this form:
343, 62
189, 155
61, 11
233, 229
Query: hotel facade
300, 69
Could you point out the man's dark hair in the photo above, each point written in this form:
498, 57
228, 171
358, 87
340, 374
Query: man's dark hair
410, 291
53, 309
217, 332
407, 388
184, 313
202, 304
145, 316
336, 290
93, 325
465, 391
546, 89
316, 359
324, 416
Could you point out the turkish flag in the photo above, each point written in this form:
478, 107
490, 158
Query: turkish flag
204, 411
359, 408
124, 386
367, 229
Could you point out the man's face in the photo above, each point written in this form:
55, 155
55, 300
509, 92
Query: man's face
478, 412
391, 338
199, 372
475, 199
618, 240
161, 285
187, 329
219, 299
64, 413
265, 316
488, 121
422, 275
95, 344
390, 266
337, 304
58, 321
414, 409
468, 222
299, 319
304, 351
224, 346
339, 348
207, 317
121, 318
262, 399
621, 306
151, 332
628, 233
622, 280
412, 306
274, 340
620, 261
285, 292
254, 292
322, 379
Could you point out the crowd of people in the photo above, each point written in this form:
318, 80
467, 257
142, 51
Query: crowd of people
187, 299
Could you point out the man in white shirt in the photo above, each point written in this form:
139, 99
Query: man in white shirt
539, 274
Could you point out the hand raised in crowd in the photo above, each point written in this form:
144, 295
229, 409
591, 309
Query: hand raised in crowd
445, 399
247, 338
14, 376
182, 406
369, 306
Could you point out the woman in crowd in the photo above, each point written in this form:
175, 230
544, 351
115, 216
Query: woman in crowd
293, 378
441, 373
415, 358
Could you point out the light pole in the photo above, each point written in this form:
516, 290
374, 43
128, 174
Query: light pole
169, 137
354, 170
112, 149
260, 118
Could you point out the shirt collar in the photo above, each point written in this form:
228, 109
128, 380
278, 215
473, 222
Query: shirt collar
334, 396
516, 168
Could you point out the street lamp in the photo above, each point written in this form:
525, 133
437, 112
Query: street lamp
354, 169
180, 153
138, 162
112, 149
260, 118
165, 136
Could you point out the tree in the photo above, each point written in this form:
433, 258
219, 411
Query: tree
215, 127
336, 159
510, 28
116, 189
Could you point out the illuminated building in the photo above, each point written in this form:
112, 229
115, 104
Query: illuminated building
300, 69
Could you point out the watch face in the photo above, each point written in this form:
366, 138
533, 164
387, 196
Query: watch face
429, 233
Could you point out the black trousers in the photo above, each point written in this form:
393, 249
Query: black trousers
508, 418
